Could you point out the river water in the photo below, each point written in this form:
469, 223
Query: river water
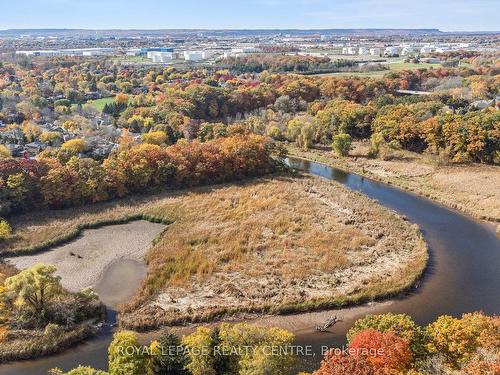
462, 276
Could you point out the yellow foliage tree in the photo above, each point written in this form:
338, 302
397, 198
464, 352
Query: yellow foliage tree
76, 145
5, 229
155, 138
121, 98
4, 152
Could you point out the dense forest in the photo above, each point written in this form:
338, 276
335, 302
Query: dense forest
166, 127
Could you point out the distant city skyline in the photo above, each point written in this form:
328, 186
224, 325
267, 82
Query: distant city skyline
446, 15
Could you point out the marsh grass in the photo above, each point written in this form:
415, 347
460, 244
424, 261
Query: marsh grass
288, 243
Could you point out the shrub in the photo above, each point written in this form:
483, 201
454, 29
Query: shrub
342, 144
5, 229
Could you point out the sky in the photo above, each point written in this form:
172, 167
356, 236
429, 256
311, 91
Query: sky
446, 15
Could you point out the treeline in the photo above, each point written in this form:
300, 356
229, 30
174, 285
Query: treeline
424, 125
281, 63
377, 345
65, 180
168, 97
394, 344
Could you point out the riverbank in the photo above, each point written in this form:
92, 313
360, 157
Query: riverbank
271, 245
64, 320
461, 277
470, 188
101, 259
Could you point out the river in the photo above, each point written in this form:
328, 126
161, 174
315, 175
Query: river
462, 276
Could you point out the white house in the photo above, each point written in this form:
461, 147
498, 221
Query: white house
375, 51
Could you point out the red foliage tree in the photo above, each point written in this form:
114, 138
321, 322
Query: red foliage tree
384, 350
340, 364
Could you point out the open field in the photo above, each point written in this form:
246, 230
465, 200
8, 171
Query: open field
471, 188
275, 245
100, 103
393, 67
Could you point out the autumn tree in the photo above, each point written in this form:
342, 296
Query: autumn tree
202, 357
32, 289
302, 130
241, 349
401, 324
121, 99
168, 355
76, 145
389, 353
155, 137
343, 116
260, 360
5, 229
4, 152
341, 364
342, 144
459, 339
126, 356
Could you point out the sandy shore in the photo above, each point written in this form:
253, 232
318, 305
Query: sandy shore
81, 263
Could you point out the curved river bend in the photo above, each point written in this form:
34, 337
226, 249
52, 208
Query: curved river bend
462, 276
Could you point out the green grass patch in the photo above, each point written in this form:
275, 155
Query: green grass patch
393, 67
100, 103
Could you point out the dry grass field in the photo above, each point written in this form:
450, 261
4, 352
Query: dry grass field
470, 188
276, 245
280, 244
